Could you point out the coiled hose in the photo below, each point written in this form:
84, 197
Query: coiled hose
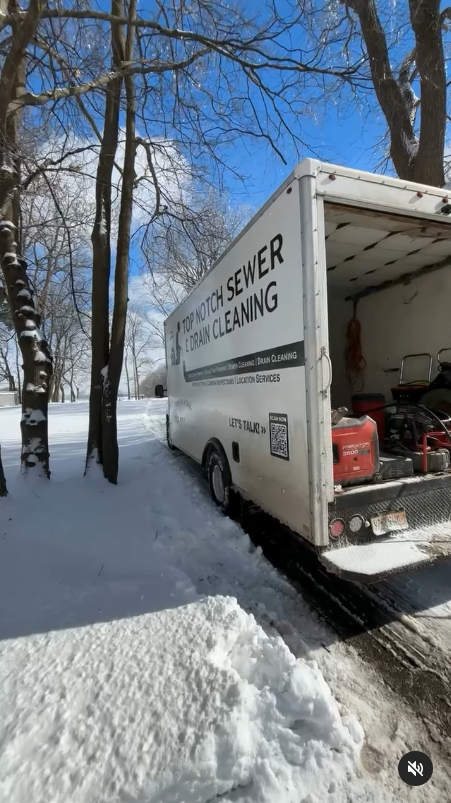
354, 359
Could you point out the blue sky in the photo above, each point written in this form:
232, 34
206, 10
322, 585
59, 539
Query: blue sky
347, 142
342, 133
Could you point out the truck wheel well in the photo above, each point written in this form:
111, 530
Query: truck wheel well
213, 446
215, 457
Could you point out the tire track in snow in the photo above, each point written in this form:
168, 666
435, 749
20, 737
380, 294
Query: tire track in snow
387, 639
415, 668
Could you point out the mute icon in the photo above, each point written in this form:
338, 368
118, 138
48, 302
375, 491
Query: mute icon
415, 768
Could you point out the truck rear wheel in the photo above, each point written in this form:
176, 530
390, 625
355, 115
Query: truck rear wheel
168, 435
220, 481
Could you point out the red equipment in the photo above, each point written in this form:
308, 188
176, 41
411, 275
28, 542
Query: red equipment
355, 447
440, 442
372, 404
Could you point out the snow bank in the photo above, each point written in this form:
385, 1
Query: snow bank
128, 669
182, 705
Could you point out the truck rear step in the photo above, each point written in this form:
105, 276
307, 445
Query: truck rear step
400, 552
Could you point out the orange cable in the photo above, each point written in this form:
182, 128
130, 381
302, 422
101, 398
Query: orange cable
354, 359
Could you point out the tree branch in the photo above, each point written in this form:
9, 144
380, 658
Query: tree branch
32, 99
228, 47
427, 26
21, 40
388, 91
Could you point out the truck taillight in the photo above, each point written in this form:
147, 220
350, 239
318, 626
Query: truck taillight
356, 523
336, 528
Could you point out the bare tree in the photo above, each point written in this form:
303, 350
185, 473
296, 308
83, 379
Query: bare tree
139, 342
181, 249
127, 373
155, 377
108, 352
56, 243
399, 53
7, 348
187, 120
188, 244
181, 85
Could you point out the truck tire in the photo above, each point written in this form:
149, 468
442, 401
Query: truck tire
220, 481
168, 436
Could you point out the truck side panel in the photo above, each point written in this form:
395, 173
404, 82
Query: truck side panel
236, 365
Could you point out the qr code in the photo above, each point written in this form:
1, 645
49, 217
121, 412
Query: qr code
278, 435
279, 440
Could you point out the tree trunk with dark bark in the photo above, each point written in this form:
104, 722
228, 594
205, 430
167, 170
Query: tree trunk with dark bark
135, 375
127, 377
115, 363
3, 488
55, 396
418, 158
101, 252
19, 384
430, 63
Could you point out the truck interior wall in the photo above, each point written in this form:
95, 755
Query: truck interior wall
340, 312
400, 320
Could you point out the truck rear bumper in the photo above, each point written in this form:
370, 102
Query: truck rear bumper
401, 552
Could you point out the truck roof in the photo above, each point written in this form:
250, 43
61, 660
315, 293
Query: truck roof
311, 167
415, 200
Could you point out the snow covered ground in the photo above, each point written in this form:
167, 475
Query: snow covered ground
148, 653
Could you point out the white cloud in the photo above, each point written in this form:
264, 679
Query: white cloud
74, 186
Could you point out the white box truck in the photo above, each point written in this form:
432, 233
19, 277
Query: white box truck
259, 355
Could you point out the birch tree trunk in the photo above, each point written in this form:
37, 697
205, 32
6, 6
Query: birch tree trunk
37, 362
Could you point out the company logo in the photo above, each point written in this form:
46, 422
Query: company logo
176, 349
415, 768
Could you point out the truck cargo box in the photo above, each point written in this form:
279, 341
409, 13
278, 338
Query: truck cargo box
256, 363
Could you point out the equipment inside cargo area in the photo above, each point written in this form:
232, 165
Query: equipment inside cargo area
389, 304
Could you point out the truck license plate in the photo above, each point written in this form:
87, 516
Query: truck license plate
389, 522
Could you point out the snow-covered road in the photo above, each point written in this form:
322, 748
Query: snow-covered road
149, 653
